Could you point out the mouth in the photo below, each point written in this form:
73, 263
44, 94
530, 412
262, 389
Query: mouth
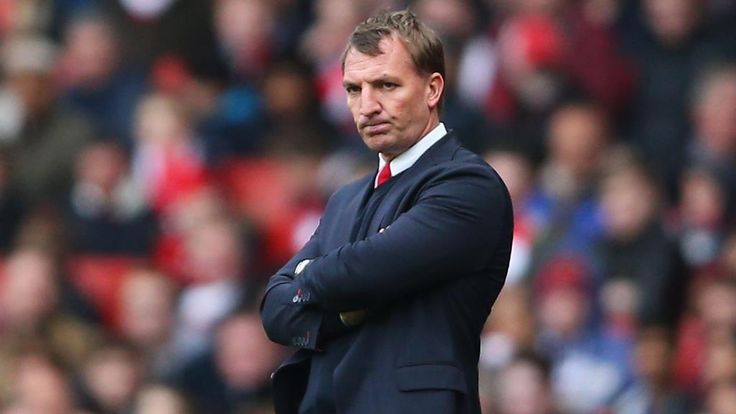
375, 128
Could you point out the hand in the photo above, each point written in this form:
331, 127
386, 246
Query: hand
353, 318
349, 319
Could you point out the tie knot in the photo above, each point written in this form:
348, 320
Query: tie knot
384, 175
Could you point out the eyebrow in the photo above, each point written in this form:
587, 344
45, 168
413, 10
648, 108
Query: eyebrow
381, 79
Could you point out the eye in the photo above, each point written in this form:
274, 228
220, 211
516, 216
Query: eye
352, 89
389, 86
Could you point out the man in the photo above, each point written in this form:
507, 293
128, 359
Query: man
42, 149
388, 298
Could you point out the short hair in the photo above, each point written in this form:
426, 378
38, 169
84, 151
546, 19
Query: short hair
422, 43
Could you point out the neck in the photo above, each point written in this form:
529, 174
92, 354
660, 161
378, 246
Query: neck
434, 120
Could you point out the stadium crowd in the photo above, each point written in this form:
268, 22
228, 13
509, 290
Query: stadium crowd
159, 158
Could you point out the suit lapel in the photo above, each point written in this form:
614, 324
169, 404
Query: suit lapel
356, 208
385, 210
441, 151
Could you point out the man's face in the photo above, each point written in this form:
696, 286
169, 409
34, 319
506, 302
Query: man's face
393, 105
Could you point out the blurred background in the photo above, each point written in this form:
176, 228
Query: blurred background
159, 159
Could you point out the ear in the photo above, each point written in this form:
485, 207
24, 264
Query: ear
435, 87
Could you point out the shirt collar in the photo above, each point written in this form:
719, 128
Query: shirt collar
406, 159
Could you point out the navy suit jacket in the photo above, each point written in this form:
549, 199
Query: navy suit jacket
428, 267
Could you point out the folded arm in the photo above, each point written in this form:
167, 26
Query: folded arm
287, 316
452, 229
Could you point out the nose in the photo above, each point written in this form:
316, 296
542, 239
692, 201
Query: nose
369, 103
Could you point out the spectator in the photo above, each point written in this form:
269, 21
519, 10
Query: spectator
676, 43
597, 65
577, 347
232, 123
246, 44
294, 124
721, 399
591, 61
43, 229
35, 308
245, 33
153, 28
107, 212
712, 319
41, 153
524, 387
467, 120
619, 302
159, 399
563, 210
25, 18
110, 378
235, 374
96, 80
530, 84
456, 22
216, 261
518, 175
509, 330
654, 389
323, 44
719, 364
40, 386
147, 305
166, 162
713, 111
703, 218
192, 211
635, 246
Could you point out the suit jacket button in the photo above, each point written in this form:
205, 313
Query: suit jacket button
301, 266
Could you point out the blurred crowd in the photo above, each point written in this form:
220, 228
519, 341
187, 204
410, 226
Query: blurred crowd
160, 158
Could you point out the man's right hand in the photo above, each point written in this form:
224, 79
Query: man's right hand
349, 319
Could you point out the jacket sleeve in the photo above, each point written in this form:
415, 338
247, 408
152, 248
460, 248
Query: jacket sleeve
458, 220
288, 317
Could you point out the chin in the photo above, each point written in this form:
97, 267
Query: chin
378, 143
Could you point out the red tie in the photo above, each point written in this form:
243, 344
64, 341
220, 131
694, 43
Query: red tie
384, 175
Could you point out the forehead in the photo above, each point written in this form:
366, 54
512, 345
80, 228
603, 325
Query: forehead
394, 59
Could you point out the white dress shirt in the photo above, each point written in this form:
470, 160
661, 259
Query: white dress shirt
410, 156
